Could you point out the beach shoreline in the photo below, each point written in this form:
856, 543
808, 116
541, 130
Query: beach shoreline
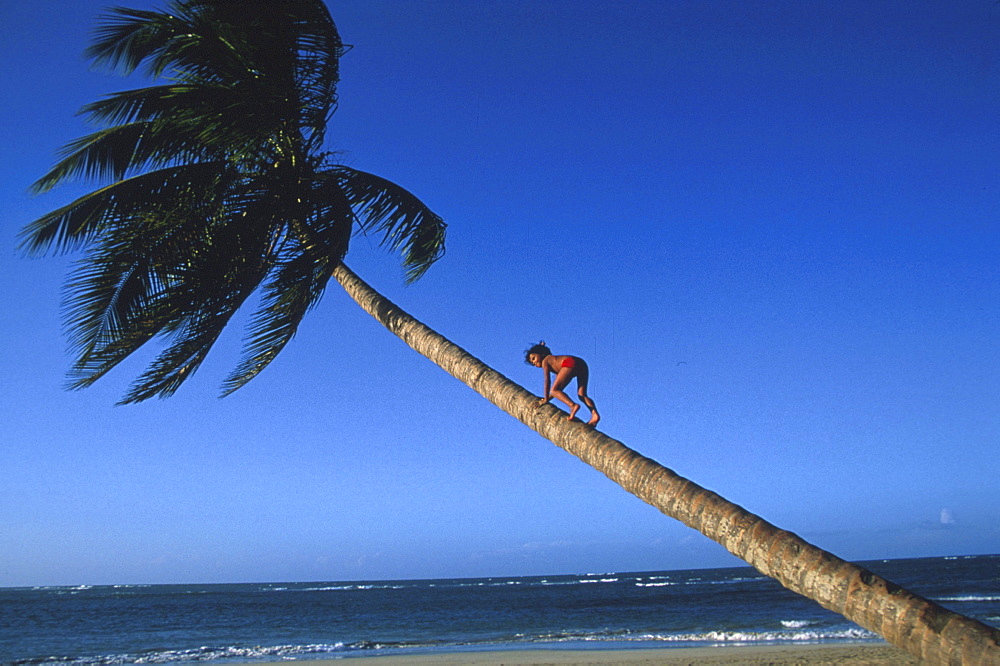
704, 616
815, 654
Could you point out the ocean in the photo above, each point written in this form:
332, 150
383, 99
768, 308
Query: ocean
227, 623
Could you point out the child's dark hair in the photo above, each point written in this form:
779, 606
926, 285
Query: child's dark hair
541, 349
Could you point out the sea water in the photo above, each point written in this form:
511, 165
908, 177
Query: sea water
132, 624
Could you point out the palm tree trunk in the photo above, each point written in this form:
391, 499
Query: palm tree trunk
904, 619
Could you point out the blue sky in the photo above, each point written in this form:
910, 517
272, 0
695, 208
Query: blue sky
771, 229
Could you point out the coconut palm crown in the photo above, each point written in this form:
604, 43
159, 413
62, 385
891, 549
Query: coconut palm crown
216, 186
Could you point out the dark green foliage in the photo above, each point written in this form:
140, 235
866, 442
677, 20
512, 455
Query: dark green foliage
215, 187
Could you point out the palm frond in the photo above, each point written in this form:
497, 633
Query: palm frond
160, 273
179, 362
132, 287
238, 119
125, 37
293, 291
117, 152
317, 64
205, 289
316, 243
111, 314
81, 221
406, 224
103, 155
190, 100
183, 35
202, 325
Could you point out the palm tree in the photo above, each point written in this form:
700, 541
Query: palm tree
220, 189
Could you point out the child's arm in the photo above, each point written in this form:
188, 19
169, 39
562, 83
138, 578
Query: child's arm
546, 382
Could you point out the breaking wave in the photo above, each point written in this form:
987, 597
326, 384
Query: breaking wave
626, 638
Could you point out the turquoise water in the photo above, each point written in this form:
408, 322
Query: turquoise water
132, 624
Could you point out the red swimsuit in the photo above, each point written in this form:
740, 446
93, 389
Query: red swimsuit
569, 362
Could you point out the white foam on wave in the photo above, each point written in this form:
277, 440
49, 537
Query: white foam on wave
340, 588
796, 624
725, 581
971, 597
484, 583
214, 653
59, 589
763, 636
578, 581
709, 637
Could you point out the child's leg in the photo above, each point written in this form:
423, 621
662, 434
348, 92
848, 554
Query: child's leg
594, 416
562, 379
581, 382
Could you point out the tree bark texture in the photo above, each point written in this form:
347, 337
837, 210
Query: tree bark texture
917, 625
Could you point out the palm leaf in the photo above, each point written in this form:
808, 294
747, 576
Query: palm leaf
318, 48
176, 101
292, 292
125, 37
131, 288
158, 273
208, 289
405, 223
318, 243
237, 119
104, 155
187, 37
118, 204
111, 314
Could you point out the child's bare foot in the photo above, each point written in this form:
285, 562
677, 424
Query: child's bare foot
572, 412
594, 418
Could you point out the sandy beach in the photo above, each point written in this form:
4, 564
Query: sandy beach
759, 655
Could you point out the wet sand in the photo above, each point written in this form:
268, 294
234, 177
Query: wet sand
756, 655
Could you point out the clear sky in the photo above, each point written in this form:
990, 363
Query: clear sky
770, 227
